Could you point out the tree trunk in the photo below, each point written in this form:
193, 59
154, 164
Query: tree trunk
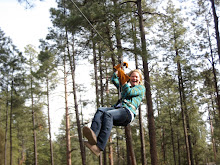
172, 135
143, 153
178, 149
68, 143
95, 71
33, 119
134, 37
6, 127
130, 149
117, 32
103, 158
49, 127
127, 149
118, 148
101, 78
163, 144
216, 86
110, 44
73, 67
11, 121
23, 154
150, 115
214, 73
181, 91
212, 135
216, 27
111, 160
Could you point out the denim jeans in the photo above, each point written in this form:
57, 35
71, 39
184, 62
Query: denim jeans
104, 120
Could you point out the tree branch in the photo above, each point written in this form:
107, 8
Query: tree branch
160, 14
127, 2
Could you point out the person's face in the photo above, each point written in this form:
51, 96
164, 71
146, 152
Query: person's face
134, 79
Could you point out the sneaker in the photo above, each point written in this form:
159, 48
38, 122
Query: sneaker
90, 135
94, 148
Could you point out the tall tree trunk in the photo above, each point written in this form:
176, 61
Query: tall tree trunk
171, 131
216, 27
163, 144
216, 86
23, 155
134, 37
49, 126
118, 147
96, 80
33, 121
68, 140
214, 72
130, 148
111, 160
101, 77
117, 31
11, 121
127, 148
68, 143
95, 71
181, 91
150, 114
6, 126
212, 134
143, 153
103, 158
178, 149
73, 68
110, 44
141, 127
172, 135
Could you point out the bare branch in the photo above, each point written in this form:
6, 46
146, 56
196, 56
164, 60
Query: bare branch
160, 14
127, 2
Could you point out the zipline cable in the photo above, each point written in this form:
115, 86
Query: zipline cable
96, 30
101, 38
92, 26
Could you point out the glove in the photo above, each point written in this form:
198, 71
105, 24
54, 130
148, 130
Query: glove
121, 74
118, 66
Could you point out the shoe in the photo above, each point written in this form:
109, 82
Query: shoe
90, 135
94, 148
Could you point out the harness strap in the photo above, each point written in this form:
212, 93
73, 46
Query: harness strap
131, 105
124, 100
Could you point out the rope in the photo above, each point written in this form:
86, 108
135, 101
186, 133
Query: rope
121, 59
92, 26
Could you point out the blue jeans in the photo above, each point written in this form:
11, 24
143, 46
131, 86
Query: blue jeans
104, 120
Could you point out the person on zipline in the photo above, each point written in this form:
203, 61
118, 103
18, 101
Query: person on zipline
121, 114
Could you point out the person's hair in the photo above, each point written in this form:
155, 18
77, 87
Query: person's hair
140, 75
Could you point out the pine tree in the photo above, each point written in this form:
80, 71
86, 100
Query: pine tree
47, 72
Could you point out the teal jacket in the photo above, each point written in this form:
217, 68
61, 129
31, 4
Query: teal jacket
131, 96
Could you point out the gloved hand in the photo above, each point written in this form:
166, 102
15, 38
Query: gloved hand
119, 65
121, 74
